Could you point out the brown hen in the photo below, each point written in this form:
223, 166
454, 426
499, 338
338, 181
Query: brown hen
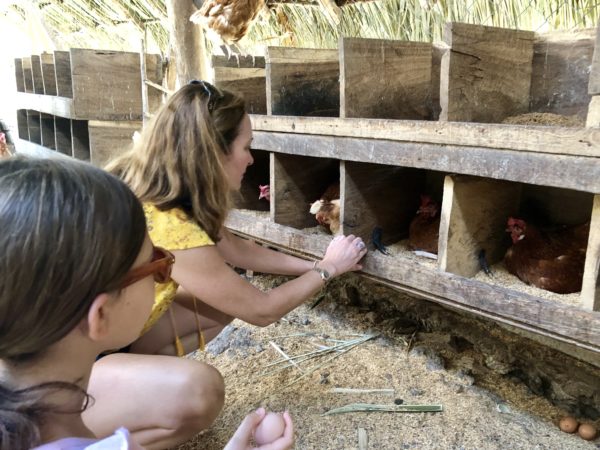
327, 208
549, 259
424, 229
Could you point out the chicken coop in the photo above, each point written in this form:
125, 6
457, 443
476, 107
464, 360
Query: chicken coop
492, 124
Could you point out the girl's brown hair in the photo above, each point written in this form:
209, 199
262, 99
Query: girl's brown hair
177, 162
69, 232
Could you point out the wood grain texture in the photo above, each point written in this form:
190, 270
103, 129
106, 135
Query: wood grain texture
33, 126
590, 292
385, 79
573, 325
19, 79
538, 139
378, 195
49, 104
296, 182
594, 83
486, 75
27, 74
250, 83
473, 218
62, 133
110, 139
48, 73
561, 71
22, 127
570, 172
80, 140
302, 82
62, 69
36, 71
107, 84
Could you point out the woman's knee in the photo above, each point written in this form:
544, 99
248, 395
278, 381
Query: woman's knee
200, 394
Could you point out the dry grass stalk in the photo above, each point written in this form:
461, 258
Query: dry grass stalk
362, 391
281, 352
368, 407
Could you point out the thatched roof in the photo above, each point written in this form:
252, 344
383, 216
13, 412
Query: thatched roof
119, 24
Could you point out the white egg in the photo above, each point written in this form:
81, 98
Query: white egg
269, 429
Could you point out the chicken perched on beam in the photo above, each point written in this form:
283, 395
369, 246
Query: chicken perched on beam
327, 209
549, 259
227, 21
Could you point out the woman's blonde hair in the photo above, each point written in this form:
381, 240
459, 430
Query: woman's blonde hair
177, 162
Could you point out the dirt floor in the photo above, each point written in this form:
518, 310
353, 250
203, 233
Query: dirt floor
479, 412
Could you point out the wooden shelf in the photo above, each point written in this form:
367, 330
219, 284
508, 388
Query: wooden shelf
563, 322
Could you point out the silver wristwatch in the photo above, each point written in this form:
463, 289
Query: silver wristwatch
325, 276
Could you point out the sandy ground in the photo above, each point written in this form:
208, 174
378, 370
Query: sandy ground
488, 413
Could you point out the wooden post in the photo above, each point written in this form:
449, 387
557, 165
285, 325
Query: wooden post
303, 82
19, 75
27, 74
486, 74
48, 73
62, 134
385, 79
187, 42
590, 292
36, 70
33, 125
145, 111
22, 127
473, 218
62, 68
47, 131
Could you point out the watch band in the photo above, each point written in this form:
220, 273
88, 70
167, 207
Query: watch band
325, 276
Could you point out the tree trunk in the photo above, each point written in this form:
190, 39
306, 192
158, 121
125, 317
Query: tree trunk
187, 42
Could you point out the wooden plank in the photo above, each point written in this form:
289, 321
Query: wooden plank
377, 195
27, 74
560, 72
80, 140
62, 134
385, 79
49, 104
20, 80
590, 292
439, 50
22, 128
563, 322
62, 69
486, 75
250, 83
538, 139
593, 115
302, 82
570, 172
107, 84
296, 182
47, 131
473, 218
257, 174
594, 83
33, 125
110, 139
48, 73
36, 70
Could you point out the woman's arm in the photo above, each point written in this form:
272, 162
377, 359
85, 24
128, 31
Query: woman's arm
203, 272
247, 254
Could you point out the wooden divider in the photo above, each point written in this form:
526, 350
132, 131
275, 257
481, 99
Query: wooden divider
48, 73
303, 82
378, 195
247, 79
590, 293
257, 174
107, 85
62, 68
62, 134
22, 127
486, 74
473, 218
19, 75
33, 125
385, 79
296, 182
36, 70
27, 74
47, 131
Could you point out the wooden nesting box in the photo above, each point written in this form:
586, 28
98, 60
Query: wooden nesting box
247, 79
257, 174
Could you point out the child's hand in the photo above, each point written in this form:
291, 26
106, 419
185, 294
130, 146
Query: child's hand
241, 438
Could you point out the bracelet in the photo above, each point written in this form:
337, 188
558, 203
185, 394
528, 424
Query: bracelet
325, 276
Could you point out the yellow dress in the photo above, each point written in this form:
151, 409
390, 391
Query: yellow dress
172, 230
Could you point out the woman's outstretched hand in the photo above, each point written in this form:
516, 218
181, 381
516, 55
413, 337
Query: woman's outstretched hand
243, 435
343, 255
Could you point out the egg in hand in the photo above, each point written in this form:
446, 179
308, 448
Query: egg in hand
269, 429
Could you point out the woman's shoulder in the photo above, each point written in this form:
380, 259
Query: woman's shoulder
174, 229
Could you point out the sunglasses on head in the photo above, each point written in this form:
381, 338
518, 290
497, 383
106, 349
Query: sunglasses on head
160, 267
213, 93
